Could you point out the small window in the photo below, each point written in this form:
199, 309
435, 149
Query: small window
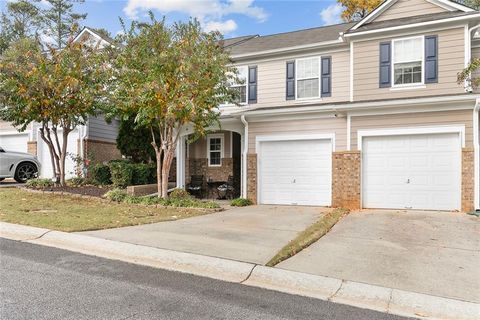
241, 85
215, 150
408, 61
308, 78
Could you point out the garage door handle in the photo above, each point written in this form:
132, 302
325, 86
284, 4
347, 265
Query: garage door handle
294, 180
408, 181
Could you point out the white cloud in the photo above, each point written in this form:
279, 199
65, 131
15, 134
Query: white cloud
211, 13
224, 27
331, 14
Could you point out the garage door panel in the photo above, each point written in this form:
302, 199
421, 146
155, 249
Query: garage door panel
14, 142
422, 171
45, 158
295, 172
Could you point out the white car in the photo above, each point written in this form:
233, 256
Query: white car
18, 165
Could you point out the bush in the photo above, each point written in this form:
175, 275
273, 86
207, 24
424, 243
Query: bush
100, 174
76, 182
116, 194
142, 174
39, 183
178, 193
240, 202
132, 200
121, 173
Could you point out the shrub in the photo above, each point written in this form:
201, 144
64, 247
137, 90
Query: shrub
121, 173
116, 194
39, 183
240, 202
178, 193
76, 182
132, 200
142, 174
100, 174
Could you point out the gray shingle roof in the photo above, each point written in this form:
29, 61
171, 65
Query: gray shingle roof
411, 20
237, 40
290, 39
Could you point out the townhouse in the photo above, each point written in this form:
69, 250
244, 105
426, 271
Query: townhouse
359, 115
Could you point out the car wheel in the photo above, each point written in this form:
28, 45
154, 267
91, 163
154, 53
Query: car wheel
1, 179
25, 171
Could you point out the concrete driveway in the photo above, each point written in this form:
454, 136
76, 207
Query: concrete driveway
436, 253
251, 234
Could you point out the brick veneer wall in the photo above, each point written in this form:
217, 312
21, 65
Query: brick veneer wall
346, 179
468, 179
32, 147
252, 177
200, 167
101, 151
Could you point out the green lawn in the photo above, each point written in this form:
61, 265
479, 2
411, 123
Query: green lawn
67, 213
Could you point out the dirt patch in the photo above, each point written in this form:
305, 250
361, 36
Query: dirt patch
83, 190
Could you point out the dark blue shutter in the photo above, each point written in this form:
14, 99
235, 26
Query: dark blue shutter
431, 59
252, 84
326, 76
290, 94
385, 64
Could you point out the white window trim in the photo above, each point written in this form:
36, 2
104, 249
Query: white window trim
319, 78
408, 85
411, 130
222, 139
242, 85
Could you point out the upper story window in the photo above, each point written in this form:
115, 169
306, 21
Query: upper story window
215, 149
241, 85
308, 78
408, 61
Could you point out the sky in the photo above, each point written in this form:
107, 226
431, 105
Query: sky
231, 17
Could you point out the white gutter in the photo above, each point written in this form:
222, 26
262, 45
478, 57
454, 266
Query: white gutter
476, 150
289, 49
414, 25
83, 133
245, 152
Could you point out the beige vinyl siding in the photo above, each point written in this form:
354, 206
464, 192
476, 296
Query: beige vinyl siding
198, 149
409, 8
424, 119
6, 126
272, 81
451, 53
338, 126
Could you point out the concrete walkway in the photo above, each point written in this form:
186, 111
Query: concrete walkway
251, 234
436, 253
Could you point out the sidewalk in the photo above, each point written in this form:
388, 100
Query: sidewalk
357, 294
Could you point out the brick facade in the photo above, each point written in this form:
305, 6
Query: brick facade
252, 177
32, 147
100, 151
346, 179
468, 179
200, 167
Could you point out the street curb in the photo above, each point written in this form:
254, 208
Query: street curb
387, 300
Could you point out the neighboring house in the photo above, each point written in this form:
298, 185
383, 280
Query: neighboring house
358, 115
95, 141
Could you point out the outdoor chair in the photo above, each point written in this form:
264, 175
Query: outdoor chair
227, 188
196, 186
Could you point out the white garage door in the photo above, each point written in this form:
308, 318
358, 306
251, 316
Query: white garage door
412, 171
14, 142
45, 159
295, 172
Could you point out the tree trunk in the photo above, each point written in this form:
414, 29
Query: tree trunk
167, 163
63, 156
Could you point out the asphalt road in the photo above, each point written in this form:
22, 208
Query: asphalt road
39, 282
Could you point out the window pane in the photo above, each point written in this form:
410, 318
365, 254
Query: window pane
307, 88
215, 144
405, 73
215, 158
408, 50
307, 68
241, 94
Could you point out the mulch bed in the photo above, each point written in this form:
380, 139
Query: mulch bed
83, 190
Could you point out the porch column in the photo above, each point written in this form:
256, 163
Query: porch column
180, 154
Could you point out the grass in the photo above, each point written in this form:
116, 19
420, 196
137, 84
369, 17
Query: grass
68, 213
308, 236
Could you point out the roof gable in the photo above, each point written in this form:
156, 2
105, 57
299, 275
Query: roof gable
92, 38
397, 9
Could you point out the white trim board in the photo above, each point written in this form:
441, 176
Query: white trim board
294, 137
409, 131
222, 148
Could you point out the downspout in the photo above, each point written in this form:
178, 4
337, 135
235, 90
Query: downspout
83, 137
244, 158
476, 150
